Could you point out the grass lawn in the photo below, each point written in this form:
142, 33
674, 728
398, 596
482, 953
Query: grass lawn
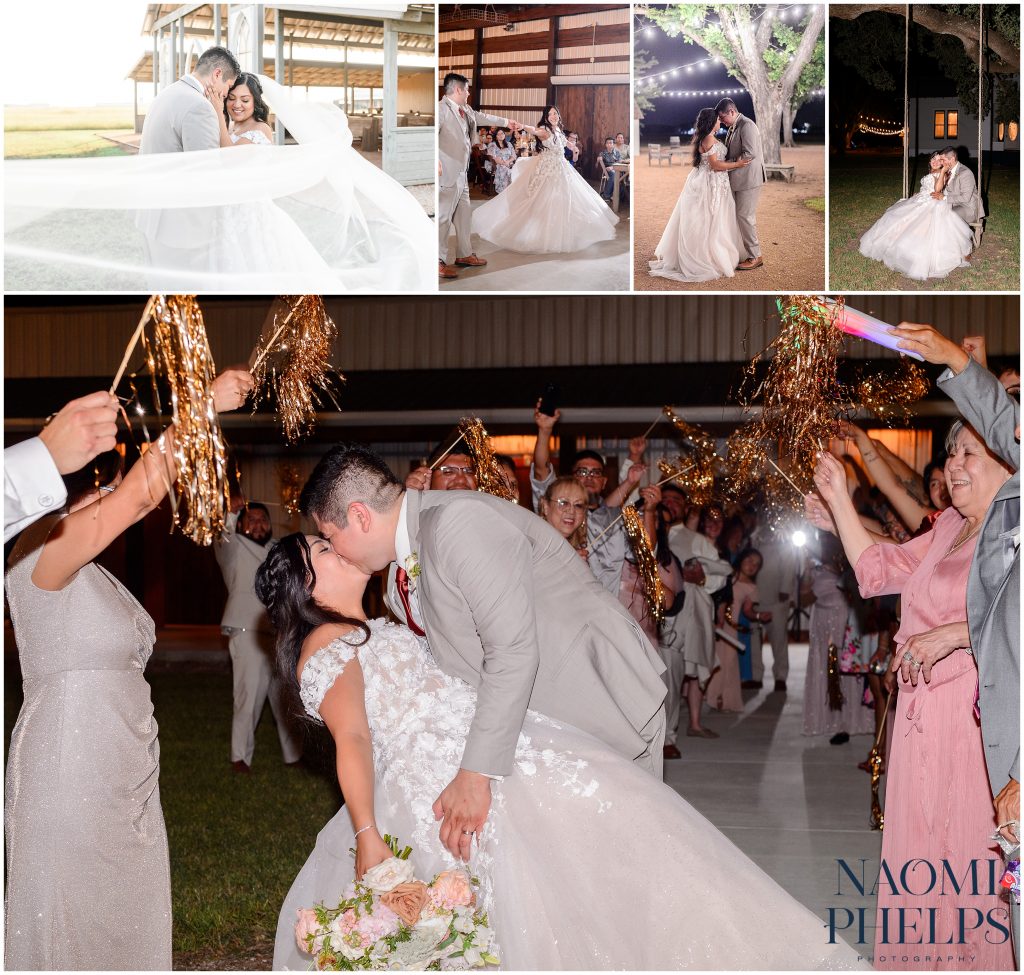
861, 186
47, 133
236, 841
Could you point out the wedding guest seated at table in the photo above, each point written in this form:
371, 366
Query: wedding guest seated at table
502, 156
572, 149
607, 158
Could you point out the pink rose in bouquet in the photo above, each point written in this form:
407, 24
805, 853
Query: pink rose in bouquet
452, 889
307, 925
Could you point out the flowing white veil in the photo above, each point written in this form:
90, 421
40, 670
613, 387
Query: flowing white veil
316, 217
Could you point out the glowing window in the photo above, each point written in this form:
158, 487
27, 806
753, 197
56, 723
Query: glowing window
940, 125
1002, 131
951, 124
1013, 131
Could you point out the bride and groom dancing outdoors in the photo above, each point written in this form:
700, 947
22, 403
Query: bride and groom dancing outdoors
185, 215
513, 721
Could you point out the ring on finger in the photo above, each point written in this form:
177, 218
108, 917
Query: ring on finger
908, 657
468, 832
916, 664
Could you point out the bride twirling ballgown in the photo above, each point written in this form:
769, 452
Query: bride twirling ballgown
701, 241
548, 207
920, 237
310, 217
586, 860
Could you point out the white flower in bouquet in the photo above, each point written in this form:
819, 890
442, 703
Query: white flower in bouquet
473, 956
416, 953
463, 921
388, 875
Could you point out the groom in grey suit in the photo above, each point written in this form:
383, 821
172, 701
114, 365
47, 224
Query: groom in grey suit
456, 134
507, 606
993, 587
744, 142
182, 119
961, 190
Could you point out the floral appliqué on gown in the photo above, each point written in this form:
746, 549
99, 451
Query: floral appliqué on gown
576, 841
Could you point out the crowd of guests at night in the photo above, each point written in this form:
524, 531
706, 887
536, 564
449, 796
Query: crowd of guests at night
911, 579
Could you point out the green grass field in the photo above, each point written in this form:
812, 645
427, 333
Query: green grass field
861, 186
53, 133
236, 841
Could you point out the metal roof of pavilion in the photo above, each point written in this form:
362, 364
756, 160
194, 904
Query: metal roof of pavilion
302, 74
361, 25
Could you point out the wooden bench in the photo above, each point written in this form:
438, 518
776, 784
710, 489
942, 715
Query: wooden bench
788, 173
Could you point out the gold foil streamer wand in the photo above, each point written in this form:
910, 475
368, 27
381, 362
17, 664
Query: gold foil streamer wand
875, 762
646, 563
146, 313
671, 477
489, 476
294, 363
180, 351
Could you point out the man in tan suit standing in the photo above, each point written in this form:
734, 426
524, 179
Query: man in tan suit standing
456, 133
507, 606
744, 142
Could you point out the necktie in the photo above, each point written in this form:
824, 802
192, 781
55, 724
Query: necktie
462, 114
402, 581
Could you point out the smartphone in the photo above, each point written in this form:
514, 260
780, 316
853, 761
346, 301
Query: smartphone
549, 400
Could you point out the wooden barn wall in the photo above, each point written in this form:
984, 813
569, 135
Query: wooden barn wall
472, 332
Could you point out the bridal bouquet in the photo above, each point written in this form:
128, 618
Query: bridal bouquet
390, 920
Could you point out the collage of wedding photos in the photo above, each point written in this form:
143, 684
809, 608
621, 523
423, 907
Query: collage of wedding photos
512, 486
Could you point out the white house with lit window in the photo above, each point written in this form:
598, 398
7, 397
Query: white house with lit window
939, 122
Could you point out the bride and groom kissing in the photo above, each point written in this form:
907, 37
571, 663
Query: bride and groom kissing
519, 706
311, 217
929, 234
712, 232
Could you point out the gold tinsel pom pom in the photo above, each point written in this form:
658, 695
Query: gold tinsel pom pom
180, 352
699, 481
291, 481
646, 563
490, 477
890, 394
292, 360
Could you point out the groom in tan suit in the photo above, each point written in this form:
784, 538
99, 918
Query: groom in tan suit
507, 606
744, 142
456, 135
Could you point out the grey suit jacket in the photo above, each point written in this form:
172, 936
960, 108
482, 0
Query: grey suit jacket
993, 587
744, 142
239, 558
962, 194
509, 607
179, 120
455, 138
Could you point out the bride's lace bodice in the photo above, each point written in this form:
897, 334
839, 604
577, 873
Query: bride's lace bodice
927, 185
718, 181
254, 136
552, 160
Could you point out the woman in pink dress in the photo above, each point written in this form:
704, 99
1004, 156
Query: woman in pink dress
938, 806
724, 693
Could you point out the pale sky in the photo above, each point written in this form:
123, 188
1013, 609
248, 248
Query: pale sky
79, 52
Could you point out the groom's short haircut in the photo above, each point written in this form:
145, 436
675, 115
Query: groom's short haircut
724, 105
218, 57
950, 151
453, 81
347, 473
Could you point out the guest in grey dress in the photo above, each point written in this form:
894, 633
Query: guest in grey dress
88, 874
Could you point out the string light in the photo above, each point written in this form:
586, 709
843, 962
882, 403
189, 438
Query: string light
867, 128
681, 93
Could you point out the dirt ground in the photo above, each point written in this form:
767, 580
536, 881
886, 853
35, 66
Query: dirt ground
792, 234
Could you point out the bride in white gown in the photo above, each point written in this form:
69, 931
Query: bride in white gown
314, 216
586, 861
548, 208
701, 241
921, 237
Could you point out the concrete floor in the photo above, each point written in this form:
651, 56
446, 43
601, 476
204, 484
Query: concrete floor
794, 804
601, 267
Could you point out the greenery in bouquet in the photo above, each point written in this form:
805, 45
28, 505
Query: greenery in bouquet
390, 920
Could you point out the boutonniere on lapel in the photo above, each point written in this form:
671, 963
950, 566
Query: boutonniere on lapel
412, 567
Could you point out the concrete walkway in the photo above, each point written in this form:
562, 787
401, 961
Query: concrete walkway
795, 805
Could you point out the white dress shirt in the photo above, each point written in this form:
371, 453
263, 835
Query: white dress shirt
32, 485
403, 552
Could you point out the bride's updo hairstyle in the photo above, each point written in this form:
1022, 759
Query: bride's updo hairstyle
707, 122
284, 584
260, 109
